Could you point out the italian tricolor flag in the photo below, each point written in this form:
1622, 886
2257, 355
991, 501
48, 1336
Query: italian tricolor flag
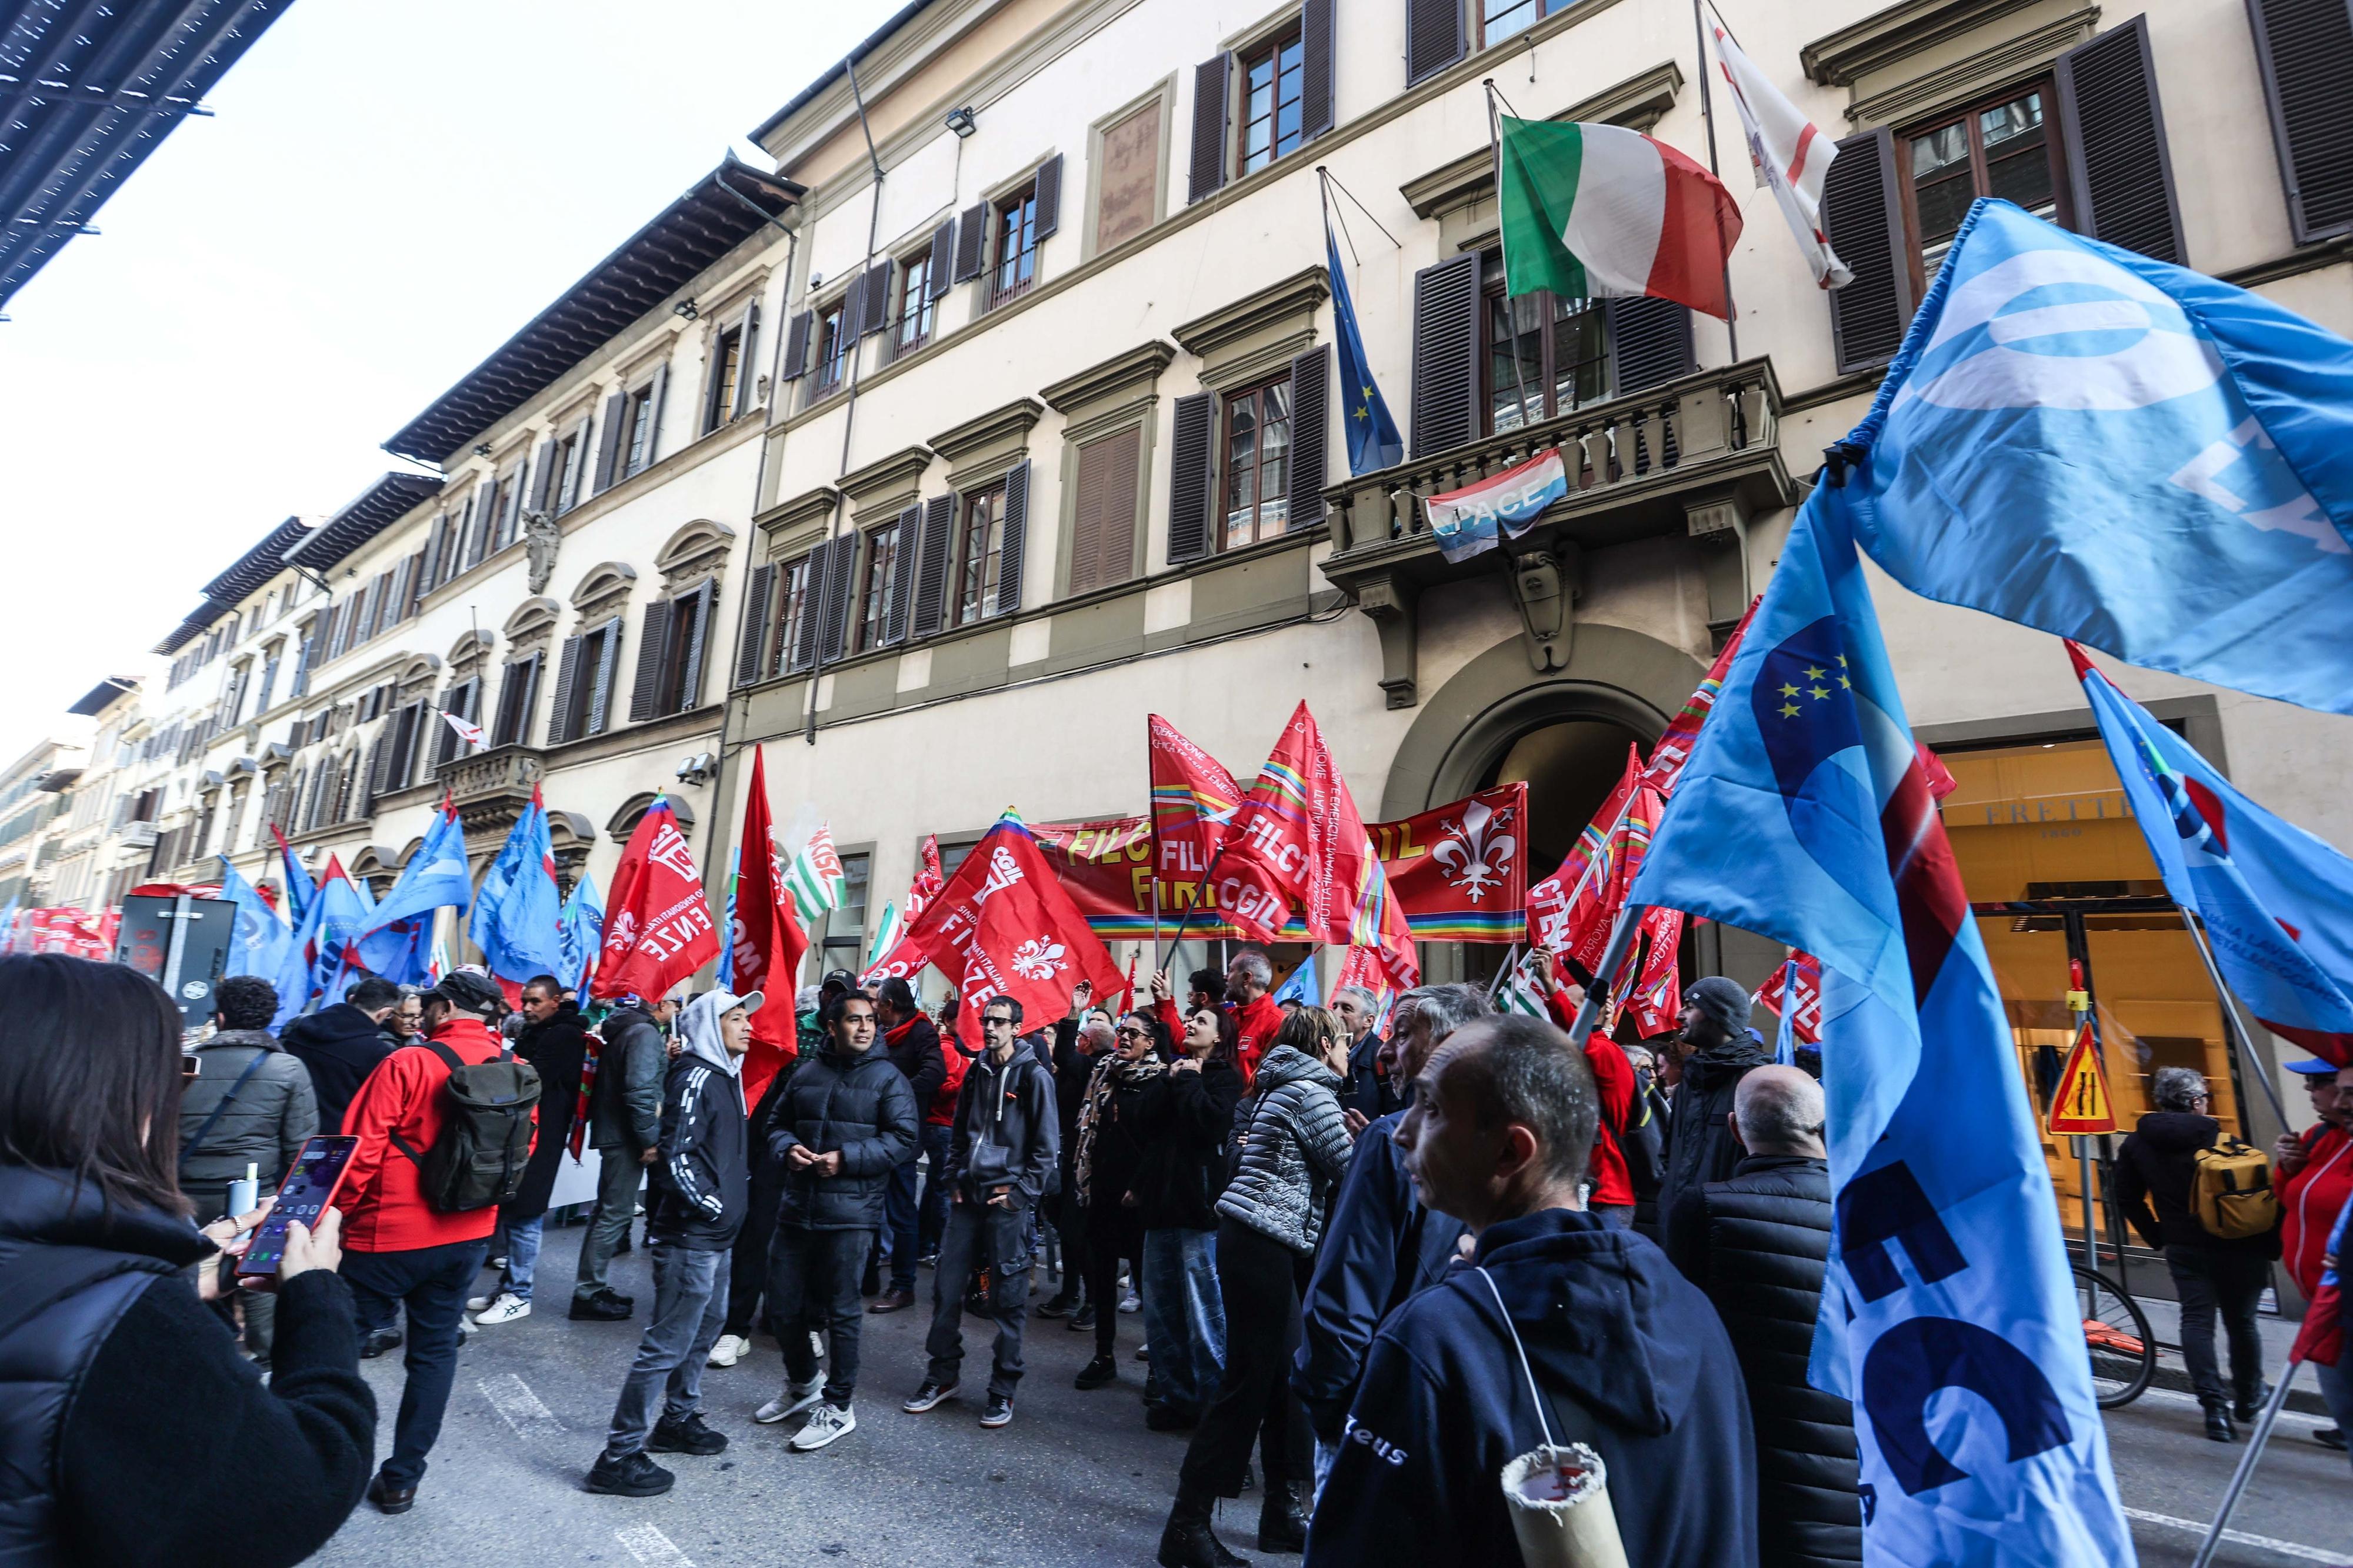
1598, 211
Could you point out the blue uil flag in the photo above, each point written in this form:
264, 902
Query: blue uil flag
1805, 814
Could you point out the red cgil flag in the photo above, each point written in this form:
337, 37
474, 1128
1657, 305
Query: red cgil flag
767, 938
658, 929
1773, 995
1194, 800
1299, 832
1003, 926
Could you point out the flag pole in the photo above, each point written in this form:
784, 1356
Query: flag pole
1185, 916
1511, 962
1707, 114
2233, 1024
1622, 937
1511, 307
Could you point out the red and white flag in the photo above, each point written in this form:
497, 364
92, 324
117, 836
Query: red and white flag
469, 733
906, 958
1789, 153
768, 941
1807, 1022
658, 927
1003, 926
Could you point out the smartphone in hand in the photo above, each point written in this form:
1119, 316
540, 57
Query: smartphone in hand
306, 1194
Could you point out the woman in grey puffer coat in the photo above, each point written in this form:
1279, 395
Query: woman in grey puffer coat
1294, 1149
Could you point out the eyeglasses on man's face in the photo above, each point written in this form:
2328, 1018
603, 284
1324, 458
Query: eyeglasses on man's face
996, 1021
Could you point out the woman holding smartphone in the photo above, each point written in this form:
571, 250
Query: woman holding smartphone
135, 1433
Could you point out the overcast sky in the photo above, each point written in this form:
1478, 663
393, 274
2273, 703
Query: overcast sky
389, 189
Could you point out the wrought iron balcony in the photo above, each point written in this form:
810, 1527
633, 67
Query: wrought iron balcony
1693, 458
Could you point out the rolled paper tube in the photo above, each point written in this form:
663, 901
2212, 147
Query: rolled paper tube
1558, 1498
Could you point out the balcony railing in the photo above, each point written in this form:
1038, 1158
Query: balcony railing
491, 788
1691, 457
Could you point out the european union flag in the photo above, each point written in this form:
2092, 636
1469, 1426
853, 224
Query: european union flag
2130, 454
1805, 814
1373, 439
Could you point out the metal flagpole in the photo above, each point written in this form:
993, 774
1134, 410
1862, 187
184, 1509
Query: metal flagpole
2233, 1024
1510, 306
1622, 937
2246, 1465
1707, 114
1511, 962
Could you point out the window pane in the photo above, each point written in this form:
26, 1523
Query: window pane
2018, 155
1943, 148
1580, 355
1514, 362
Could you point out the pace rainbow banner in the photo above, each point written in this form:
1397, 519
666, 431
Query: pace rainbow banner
1474, 517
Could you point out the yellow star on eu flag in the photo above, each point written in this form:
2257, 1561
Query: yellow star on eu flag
1813, 672
1843, 681
1788, 709
1788, 690
1817, 693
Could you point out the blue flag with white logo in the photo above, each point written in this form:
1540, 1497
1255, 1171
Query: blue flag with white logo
1300, 985
257, 943
1805, 814
514, 916
1372, 438
436, 876
2133, 455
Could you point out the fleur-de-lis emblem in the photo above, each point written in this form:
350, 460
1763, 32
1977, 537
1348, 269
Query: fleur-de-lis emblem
1037, 959
1476, 851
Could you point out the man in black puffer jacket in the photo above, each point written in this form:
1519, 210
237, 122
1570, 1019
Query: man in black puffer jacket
1756, 1242
1724, 1049
847, 1119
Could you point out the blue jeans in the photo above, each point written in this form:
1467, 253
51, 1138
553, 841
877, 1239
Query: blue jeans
432, 1282
690, 1307
2337, 1388
900, 1223
932, 1212
1184, 1315
522, 1253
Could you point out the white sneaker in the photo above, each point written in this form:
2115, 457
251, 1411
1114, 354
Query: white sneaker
1131, 1302
505, 1309
465, 1327
729, 1350
478, 1303
824, 1423
795, 1398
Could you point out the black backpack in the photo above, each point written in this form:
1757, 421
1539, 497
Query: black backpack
486, 1115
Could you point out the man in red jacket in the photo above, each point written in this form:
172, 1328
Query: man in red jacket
1612, 1197
1258, 1017
397, 1249
2314, 1182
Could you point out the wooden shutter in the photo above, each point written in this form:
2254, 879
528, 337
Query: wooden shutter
380, 766
931, 566
1650, 342
404, 765
751, 637
1311, 393
833, 609
567, 677
608, 663
617, 441
1434, 37
1049, 216
1188, 477
1446, 355
804, 650
543, 475
747, 341
902, 574
796, 341
874, 301
1209, 160
2304, 49
434, 544
654, 416
1863, 217
1014, 534
972, 242
1102, 511
646, 696
935, 276
2119, 171
509, 712
697, 605
1316, 68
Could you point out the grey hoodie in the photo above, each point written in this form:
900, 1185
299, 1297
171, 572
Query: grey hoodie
1007, 1132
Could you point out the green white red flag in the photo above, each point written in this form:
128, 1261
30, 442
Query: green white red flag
1601, 212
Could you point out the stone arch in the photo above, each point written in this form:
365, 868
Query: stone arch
602, 581
693, 543
533, 614
625, 821
474, 644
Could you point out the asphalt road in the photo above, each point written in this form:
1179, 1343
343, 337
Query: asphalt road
1076, 1480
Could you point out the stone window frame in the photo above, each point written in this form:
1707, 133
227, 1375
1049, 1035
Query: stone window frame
1164, 92
1122, 393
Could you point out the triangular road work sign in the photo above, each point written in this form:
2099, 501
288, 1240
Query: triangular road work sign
2081, 1104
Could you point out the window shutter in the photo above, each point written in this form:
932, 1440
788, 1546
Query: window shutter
2303, 48
654, 416
902, 574
796, 341
568, 676
433, 554
380, 766
1446, 355
609, 662
2119, 171
840, 568
1102, 511
542, 473
751, 637
1188, 477
1310, 390
1050, 197
645, 697
1864, 222
875, 307
935, 276
617, 441
1016, 535
574, 485
1316, 72
972, 242
510, 685
1650, 342
1434, 37
931, 566
698, 638
1210, 94
747, 341
403, 766
804, 650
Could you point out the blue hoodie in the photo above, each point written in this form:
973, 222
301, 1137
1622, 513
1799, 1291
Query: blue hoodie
1443, 1407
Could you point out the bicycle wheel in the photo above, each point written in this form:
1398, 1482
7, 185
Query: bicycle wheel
2116, 1335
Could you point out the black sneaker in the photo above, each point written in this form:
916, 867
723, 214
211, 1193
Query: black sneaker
2244, 1411
1057, 1307
631, 1475
1098, 1372
2330, 1437
688, 1435
378, 1342
1082, 1319
603, 1307
928, 1397
1000, 1410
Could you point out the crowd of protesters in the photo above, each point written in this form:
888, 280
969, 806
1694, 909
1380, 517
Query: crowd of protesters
1374, 1257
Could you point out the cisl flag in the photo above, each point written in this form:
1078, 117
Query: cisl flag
767, 942
1004, 927
1299, 831
658, 929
